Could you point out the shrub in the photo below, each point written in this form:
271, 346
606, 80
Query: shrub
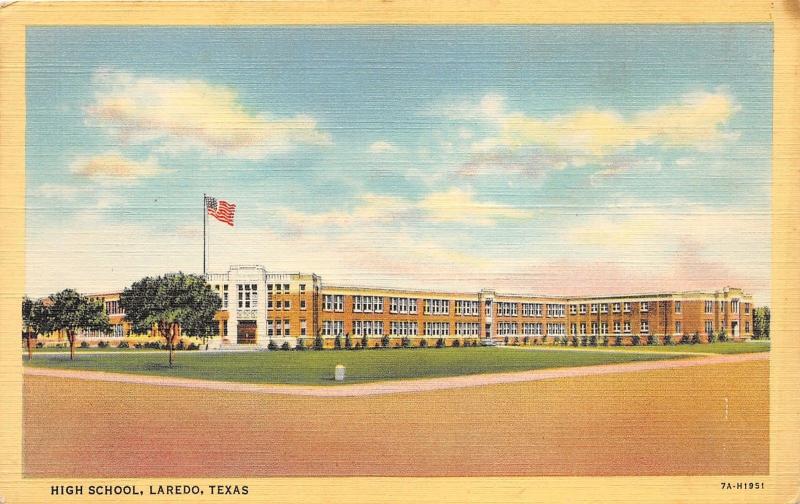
544, 339
651, 339
337, 342
635, 340
272, 345
319, 344
364, 341
723, 336
505, 340
440, 343
406, 343
575, 341
347, 343
684, 339
123, 344
85, 344
39, 344
300, 345
516, 340
605, 340
138, 345
180, 346
101, 344
618, 340
593, 340
525, 340
585, 340
385, 341
193, 346
668, 339
696, 338
474, 344
423, 343
456, 343
285, 346
358, 345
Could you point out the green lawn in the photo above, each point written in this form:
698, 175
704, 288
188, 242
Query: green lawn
316, 368
720, 348
77, 349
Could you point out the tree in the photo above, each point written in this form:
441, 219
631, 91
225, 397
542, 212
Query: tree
35, 317
319, 344
337, 342
69, 311
348, 344
170, 303
761, 319
364, 341
722, 336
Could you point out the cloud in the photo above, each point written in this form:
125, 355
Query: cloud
452, 206
381, 147
180, 115
59, 191
112, 166
684, 161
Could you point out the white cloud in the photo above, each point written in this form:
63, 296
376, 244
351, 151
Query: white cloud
179, 115
112, 166
59, 191
382, 146
685, 161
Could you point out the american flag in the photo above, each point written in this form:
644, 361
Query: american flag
220, 210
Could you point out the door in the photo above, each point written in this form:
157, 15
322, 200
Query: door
246, 332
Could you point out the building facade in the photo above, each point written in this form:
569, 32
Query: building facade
259, 307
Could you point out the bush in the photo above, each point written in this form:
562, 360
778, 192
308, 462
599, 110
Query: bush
544, 339
39, 344
593, 340
723, 336
101, 344
668, 339
605, 340
618, 340
358, 345
348, 344
423, 343
684, 340
319, 343
696, 338
85, 344
364, 341
385, 341
193, 346
286, 346
525, 340
635, 340
123, 344
575, 341
272, 345
585, 340
406, 343
474, 344
456, 343
440, 343
505, 340
300, 345
337, 342
180, 346
516, 340
651, 339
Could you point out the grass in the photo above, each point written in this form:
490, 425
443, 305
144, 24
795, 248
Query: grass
316, 368
77, 350
728, 347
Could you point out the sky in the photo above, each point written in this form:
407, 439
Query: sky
534, 159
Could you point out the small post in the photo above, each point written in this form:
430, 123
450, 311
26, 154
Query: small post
338, 374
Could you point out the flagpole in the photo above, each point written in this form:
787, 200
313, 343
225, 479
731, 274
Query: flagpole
205, 225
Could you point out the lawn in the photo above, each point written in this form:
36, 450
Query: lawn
316, 368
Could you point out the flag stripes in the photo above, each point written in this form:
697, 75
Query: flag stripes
220, 210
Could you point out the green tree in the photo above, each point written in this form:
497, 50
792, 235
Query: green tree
319, 344
723, 335
348, 343
337, 342
761, 319
364, 342
69, 311
35, 317
170, 303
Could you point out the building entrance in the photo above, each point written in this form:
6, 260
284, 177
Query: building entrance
246, 332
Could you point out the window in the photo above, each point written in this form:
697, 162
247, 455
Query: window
583, 328
507, 328
645, 327
735, 306
401, 305
466, 307
506, 309
332, 327
746, 326
677, 306
286, 287
573, 329
556, 329
594, 307
368, 304
270, 327
277, 287
437, 307
583, 309
302, 328
615, 307
269, 287
286, 331
604, 308
333, 302
747, 308
627, 326
616, 327
722, 306
604, 328
555, 310
287, 305
531, 309
709, 327
248, 296
269, 304
404, 328
302, 304
626, 307
119, 331
594, 327
573, 309
644, 306
532, 329
302, 288
225, 297
437, 328
709, 306
678, 326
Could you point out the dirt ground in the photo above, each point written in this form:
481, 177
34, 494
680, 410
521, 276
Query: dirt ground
710, 419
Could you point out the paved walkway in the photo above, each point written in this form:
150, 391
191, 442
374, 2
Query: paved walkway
399, 386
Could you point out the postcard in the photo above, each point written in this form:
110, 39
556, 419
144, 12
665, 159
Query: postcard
389, 252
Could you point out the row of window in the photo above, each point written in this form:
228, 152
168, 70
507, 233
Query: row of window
368, 327
368, 304
283, 328
437, 307
530, 329
467, 307
283, 287
468, 328
402, 305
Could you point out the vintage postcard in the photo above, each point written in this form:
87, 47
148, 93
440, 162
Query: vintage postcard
424, 252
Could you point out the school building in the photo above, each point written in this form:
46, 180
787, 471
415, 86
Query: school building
259, 307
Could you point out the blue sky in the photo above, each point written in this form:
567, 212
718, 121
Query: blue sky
553, 159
